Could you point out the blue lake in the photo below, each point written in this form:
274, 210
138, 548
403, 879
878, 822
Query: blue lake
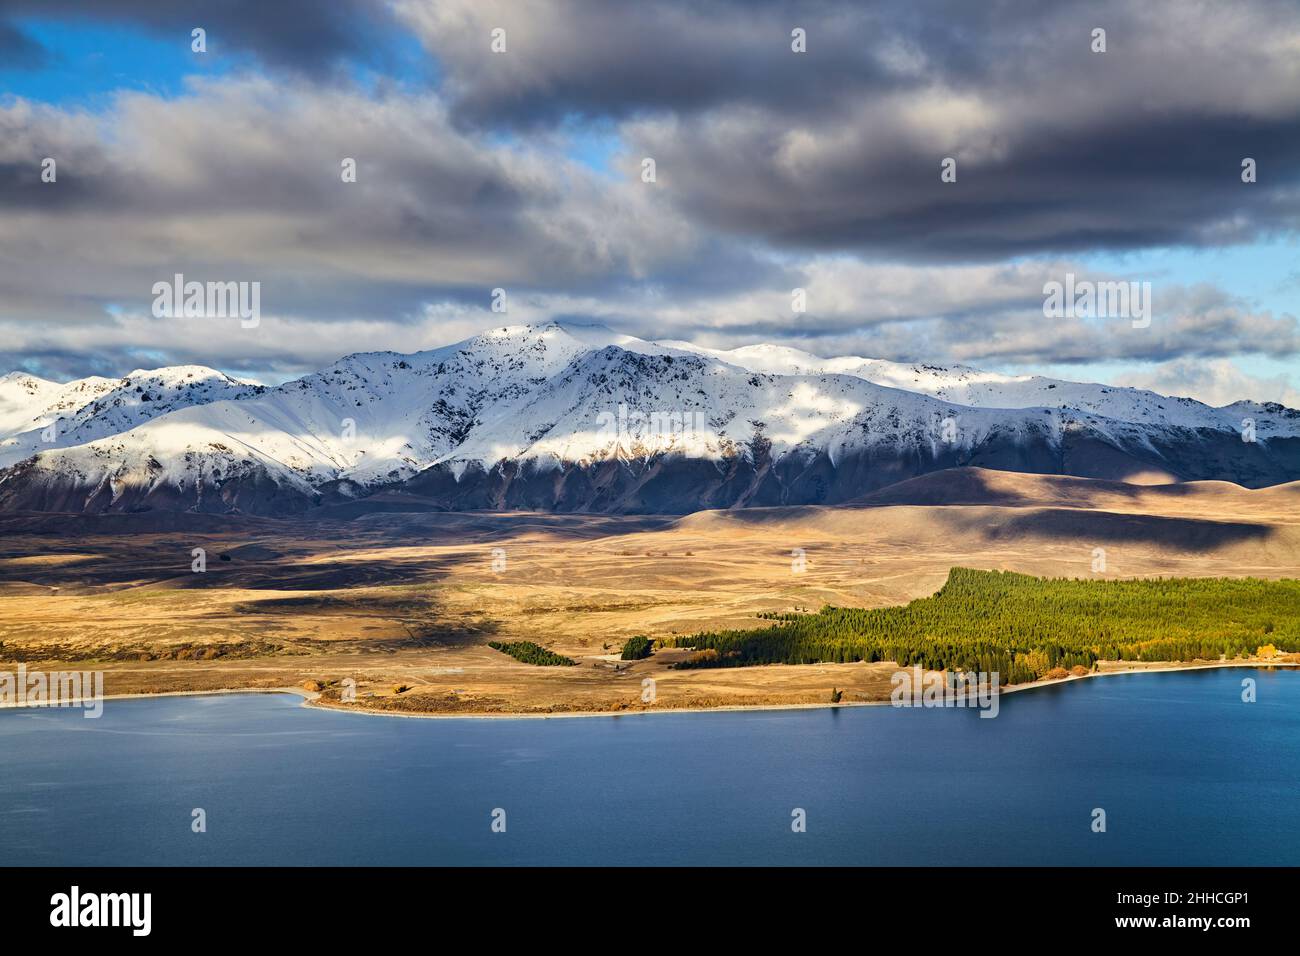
1186, 772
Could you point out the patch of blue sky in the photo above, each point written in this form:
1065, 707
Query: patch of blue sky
151, 358
396, 60
1264, 274
594, 144
591, 144
86, 63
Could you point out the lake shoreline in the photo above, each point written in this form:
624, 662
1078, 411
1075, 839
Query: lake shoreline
312, 698
1017, 688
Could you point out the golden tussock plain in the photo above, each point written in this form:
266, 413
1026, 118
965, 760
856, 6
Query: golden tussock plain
409, 600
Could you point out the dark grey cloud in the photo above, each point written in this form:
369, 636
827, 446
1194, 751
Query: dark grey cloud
591, 57
1058, 148
568, 57
1050, 188
595, 58
240, 180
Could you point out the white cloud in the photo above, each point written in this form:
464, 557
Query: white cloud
1215, 382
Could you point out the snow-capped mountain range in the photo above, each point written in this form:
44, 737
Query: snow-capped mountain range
577, 418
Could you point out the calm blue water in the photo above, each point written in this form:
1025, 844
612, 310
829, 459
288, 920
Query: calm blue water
1187, 773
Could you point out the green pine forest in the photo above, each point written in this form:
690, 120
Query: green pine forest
527, 652
637, 648
1023, 626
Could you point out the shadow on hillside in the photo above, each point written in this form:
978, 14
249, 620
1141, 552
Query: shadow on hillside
1065, 524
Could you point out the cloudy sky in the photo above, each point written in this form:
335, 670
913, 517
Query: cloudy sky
774, 170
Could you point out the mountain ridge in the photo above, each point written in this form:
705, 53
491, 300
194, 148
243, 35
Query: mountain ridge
581, 418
